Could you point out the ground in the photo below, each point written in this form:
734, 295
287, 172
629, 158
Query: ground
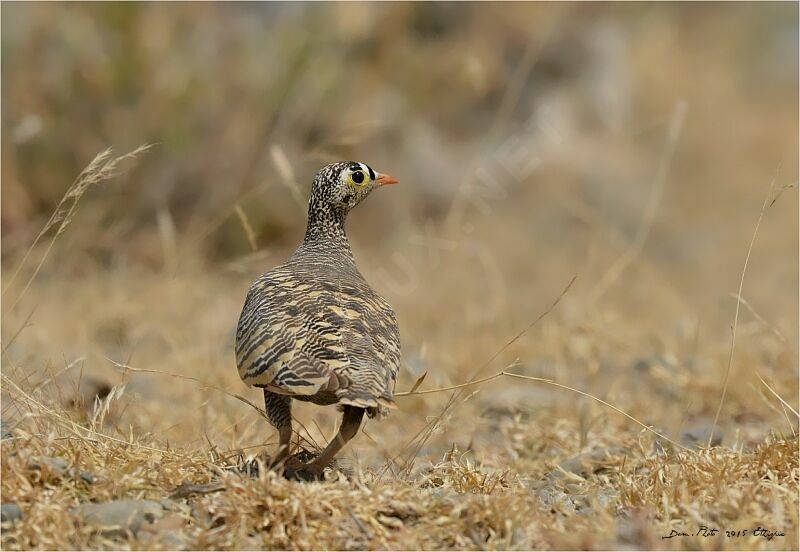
508, 463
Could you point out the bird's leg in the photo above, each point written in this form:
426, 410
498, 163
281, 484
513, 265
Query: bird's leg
284, 435
351, 421
279, 412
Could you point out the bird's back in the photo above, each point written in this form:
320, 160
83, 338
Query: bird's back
313, 328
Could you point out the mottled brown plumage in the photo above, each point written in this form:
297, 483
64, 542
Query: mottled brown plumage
313, 329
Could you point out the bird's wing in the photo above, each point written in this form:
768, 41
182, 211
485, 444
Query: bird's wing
300, 335
282, 341
369, 334
386, 343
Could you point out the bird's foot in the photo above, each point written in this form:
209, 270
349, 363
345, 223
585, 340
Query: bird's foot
300, 466
302, 473
305, 468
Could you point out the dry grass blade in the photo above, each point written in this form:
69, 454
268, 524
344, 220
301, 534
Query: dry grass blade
628, 256
604, 403
253, 405
25, 324
206, 385
52, 377
555, 384
102, 406
413, 390
169, 239
775, 394
528, 327
284, 168
59, 212
758, 317
248, 229
418, 382
80, 431
129, 368
764, 207
102, 168
421, 437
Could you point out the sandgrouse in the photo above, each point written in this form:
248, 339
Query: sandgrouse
314, 330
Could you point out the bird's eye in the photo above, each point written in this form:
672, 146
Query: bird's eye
358, 177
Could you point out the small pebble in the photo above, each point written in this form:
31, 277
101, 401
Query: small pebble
5, 430
10, 512
118, 517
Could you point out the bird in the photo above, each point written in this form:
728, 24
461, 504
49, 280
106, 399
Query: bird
313, 329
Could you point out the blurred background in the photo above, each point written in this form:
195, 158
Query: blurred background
631, 145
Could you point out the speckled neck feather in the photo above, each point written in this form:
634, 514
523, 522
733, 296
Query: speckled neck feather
325, 240
325, 223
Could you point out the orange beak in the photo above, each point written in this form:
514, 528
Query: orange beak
384, 179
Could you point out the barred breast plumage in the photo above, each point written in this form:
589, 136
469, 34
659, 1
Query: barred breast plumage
313, 329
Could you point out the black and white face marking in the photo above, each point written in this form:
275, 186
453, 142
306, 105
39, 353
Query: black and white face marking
358, 174
344, 185
337, 188
355, 182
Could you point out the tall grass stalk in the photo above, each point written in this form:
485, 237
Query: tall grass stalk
101, 169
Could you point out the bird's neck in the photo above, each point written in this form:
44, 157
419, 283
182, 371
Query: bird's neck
325, 228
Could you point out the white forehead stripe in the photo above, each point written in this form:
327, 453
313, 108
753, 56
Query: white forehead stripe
368, 170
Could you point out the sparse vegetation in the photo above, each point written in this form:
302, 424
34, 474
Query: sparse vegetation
631, 146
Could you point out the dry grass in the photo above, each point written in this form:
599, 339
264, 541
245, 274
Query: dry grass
531, 416
536, 478
628, 492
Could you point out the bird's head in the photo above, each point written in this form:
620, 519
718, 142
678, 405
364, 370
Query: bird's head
341, 186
